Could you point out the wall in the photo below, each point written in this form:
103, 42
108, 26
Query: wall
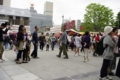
48, 8
7, 3
40, 20
1, 2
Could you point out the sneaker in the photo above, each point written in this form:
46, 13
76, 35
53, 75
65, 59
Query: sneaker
103, 78
109, 78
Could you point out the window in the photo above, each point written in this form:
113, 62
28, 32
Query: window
1, 2
26, 21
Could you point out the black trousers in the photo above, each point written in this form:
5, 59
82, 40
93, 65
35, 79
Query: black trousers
41, 45
82, 49
20, 54
104, 69
113, 62
34, 53
118, 69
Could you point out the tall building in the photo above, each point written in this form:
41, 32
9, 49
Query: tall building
32, 10
78, 24
6, 3
48, 8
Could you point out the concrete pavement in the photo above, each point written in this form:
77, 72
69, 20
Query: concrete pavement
49, 67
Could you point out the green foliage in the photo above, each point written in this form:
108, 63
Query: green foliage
97, 17
117, 22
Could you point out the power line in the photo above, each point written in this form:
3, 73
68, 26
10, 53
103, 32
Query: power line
57, 18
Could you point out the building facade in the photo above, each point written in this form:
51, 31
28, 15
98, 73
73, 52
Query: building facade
5, 3
48, 8
29, 18
78, 24
56, 29
44, 22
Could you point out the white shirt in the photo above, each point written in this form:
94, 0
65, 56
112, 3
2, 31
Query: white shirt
77, 41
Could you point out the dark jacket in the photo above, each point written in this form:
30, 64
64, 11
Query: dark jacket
42, 38
87, 41
1, 34
35, 38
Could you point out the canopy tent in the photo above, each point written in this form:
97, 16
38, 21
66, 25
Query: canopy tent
71, 31
82, 33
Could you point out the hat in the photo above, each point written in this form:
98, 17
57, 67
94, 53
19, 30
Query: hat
108, 29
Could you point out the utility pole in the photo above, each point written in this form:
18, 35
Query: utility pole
62, 19
62, 22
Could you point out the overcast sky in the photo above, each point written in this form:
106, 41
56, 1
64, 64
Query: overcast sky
71, 9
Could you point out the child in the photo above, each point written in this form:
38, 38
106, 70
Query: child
28, 46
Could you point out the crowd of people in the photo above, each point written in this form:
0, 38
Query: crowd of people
106, 45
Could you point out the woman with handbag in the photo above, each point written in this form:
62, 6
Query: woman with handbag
20, 44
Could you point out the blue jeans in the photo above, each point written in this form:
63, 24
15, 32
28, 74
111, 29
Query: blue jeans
52, 45
6, 45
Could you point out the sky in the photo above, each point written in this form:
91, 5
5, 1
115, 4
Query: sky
71, 9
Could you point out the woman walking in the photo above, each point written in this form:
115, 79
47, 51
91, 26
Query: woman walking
72, 43
20, 44
78, 44
47, 38
53, 41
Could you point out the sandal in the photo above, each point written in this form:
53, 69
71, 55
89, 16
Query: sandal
24, 62
18, 63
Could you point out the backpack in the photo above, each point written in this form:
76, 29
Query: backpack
100, 47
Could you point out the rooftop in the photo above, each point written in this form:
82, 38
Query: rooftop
14, 11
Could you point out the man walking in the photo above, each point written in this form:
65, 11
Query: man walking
63, 41
35, 43
42, 41
1, 39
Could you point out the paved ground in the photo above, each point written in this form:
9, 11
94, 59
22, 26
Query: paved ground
49, 67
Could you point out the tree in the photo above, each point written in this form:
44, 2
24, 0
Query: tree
117, 22
97, 17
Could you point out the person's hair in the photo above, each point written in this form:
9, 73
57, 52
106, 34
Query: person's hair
20, 27
63, 28
87, 33
79, 35
114, 29
3, 24
35, 27
53, 34
47, 34
42, 33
